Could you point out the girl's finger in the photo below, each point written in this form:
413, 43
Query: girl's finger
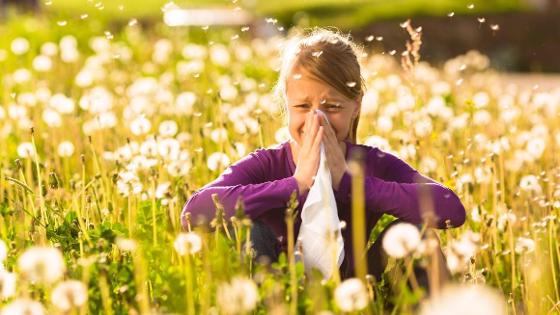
314, 126
317, 142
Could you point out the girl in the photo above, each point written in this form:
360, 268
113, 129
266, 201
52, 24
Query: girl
321, 71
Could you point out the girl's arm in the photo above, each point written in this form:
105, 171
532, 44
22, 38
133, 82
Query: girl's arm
403, 192
246, 180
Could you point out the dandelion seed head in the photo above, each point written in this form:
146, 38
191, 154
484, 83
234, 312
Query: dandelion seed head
23, 306
401, 239
42, 264
69, 295
65, 149
126, 244
187, 243
217, 160
20, 46
351, 295
238, 296
465, 299
26, 150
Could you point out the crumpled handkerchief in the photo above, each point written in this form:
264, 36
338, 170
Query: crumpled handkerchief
320, 227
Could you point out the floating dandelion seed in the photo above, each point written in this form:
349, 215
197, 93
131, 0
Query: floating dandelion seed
351, 84
450, 14
234, 37
297, 76
281, 28
392, 52
405, 24
379, 38
108, 35
370, 38
61, 23
495, 27
470, 6
351, 295
245, 28
84, 16
48, 2
132, 22
317, 54
481, 20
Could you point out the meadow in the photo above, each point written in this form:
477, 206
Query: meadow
104, 134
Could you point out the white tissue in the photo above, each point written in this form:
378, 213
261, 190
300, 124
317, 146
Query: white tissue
320, 221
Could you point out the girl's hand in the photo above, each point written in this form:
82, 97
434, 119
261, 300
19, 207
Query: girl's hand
309, 152
334, 150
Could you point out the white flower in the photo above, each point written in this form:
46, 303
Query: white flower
7, 284
219, 135
42, 63
465, 300
162, 189
140, 126
62, 103
524, 245
184, 103
168, 128
240, 296
506, 218
169, 149
530, 183
20, 46
65, 149
219, 55
23, 307
69, 294
351, 295
52, 118
216, 160
42, 264
187, 243
22, 75
535, 147
228, 92
126, 244
26, 150
401, 239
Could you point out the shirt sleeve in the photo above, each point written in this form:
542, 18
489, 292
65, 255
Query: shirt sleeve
246, 180
401, 191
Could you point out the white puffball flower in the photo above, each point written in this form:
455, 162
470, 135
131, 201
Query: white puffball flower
26, 150
42, 63
140, 126
465, 300
168, 128
219, 135
126, 244
65, 149
7, 284
20, 46
42, 264
187, 243
184, 104
524, 245
530, 183
239, 296
217, 159
219, 55
23, 306
69, 294
401, 239
351, 295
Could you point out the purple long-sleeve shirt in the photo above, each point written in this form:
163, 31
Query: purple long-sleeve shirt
264, 180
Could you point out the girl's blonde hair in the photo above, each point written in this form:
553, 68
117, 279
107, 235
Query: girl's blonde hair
330, 57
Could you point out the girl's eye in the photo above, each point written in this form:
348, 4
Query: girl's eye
303, 106
333, 107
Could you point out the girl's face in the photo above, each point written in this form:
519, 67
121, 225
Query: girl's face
306, 93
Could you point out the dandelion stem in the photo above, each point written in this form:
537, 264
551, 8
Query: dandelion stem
358, 217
